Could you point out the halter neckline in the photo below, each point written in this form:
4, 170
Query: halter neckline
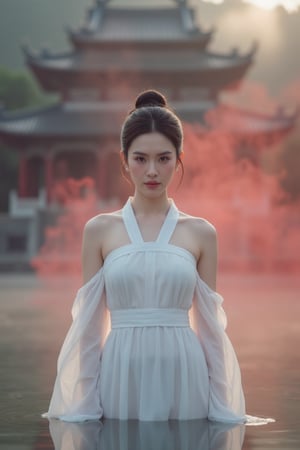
133, 228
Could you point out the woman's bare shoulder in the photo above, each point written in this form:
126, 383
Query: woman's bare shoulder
102, 222
198, 225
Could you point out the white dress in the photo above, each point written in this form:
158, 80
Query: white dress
152, 366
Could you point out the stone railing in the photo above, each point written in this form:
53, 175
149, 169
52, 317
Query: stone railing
26, 207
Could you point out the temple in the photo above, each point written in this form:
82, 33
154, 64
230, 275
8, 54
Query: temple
118, 52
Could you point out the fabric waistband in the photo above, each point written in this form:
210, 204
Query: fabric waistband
149, 317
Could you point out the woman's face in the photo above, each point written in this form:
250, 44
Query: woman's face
151, 162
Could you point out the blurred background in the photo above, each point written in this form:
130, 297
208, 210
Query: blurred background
69, 74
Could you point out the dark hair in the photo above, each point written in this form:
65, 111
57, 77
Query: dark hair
152, 114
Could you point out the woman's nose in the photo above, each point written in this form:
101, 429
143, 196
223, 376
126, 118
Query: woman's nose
152, 169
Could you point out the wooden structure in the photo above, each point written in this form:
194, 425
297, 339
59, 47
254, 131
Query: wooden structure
119, 52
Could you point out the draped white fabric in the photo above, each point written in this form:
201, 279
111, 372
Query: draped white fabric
75, 395
76, 392
226, 398
152, 365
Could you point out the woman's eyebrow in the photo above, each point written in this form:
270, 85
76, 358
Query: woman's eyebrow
138, 152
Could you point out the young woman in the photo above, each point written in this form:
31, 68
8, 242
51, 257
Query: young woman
152, 268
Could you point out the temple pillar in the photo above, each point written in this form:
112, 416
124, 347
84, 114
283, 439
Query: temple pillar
49, 177
23, 177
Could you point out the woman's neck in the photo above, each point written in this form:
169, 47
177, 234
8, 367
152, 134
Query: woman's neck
147, 206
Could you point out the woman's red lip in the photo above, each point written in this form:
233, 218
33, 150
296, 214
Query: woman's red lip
151, 183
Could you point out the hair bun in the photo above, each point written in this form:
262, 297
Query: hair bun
150, 98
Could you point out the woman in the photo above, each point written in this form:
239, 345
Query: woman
149, 265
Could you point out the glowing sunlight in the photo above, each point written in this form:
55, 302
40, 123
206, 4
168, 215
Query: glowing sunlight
253, 22
289, 5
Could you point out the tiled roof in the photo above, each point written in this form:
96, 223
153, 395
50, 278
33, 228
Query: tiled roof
157, 24
81, 120
242, 121
61, 121
93, 121
182, 60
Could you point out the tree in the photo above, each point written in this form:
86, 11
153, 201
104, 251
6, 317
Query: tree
19, 90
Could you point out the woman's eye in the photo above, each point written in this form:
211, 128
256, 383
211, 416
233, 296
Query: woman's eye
164, 158
139, 159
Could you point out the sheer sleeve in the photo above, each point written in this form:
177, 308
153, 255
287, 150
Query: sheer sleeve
76, 395
226, 399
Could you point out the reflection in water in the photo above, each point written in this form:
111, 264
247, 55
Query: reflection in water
136, 435
263, 313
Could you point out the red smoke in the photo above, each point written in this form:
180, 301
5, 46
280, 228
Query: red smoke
231, 181
244, 202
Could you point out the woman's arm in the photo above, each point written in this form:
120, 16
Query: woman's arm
207, 263
92, 259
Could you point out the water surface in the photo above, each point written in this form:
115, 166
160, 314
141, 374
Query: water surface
263, 314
